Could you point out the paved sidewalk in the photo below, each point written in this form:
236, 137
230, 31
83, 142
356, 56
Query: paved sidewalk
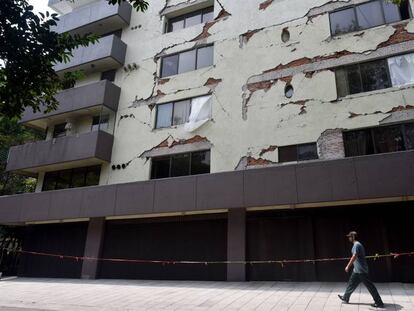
57, 294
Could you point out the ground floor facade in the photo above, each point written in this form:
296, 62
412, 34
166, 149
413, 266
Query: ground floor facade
235, 235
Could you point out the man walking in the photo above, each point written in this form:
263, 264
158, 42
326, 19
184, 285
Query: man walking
360, 273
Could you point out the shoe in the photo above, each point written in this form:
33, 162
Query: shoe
343, 299
378, 305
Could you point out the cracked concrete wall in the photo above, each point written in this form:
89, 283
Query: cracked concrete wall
246, 120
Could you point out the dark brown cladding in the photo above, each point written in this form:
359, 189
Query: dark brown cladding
359, 178
92, 145
101, 93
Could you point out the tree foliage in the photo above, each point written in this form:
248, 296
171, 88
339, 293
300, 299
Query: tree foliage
28, 50
12, 133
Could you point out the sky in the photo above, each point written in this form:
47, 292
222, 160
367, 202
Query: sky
40, 6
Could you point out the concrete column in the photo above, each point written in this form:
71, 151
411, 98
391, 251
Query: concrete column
236, 244
93, 246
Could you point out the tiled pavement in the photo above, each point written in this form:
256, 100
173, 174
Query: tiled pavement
57, 294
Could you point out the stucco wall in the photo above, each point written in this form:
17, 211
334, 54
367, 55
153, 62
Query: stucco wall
250, 114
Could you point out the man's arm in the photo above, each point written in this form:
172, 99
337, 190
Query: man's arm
350, 263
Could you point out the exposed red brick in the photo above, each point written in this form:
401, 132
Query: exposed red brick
401, 108
271, 148
160, 93
212, 81
287, 79
205, 34
247, 35
253, 161
192, 140
265, 4
163, 81
306, 60
400, 35
263, 85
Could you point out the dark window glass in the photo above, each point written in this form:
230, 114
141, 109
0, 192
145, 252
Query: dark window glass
49, 181
208, 15
288, 153
343, 21
180, 165
358, 143
193, 19
92, 176
409, 135
205, 57
63, 179
164, 115
187, 61
391, 12
370, 15
175, 24
78, 177
181, 112
375, 75
200, 163
388, 139
72, 178
307, 152
405, 11
362, 78
160, 168
59, 130
100, 123
108, 75
190, 19
169, 66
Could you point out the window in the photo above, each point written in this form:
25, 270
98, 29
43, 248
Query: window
367, 15
187, 61
59, 130
108, 75
375, 75
191, 19
193, 163
379, 140
72, 178
181, 112
296, 153
100, 123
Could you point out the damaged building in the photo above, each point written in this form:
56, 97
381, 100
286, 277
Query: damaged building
214, 131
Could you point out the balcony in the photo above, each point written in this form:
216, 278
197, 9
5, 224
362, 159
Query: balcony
367, 179
107, 54
84, 149
87, 99
67, 6
97, 17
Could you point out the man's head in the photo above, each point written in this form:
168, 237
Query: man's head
352, 236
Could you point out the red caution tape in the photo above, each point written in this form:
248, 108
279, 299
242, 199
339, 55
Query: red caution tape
186, 262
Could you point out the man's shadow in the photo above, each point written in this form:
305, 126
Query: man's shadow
387, 306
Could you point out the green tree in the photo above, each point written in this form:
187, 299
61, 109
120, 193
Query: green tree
28, 50
12, 133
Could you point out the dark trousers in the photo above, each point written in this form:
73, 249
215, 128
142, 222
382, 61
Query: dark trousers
358, 278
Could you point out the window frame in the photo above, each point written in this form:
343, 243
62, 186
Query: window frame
354, 8
183, 17
360, 76
170, 159
172, 111
71, 171
371, 130
178, 63
297, 146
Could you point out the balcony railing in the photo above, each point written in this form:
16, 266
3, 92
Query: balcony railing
97, 17
107, 54
91, 148
379, 178
91, 96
